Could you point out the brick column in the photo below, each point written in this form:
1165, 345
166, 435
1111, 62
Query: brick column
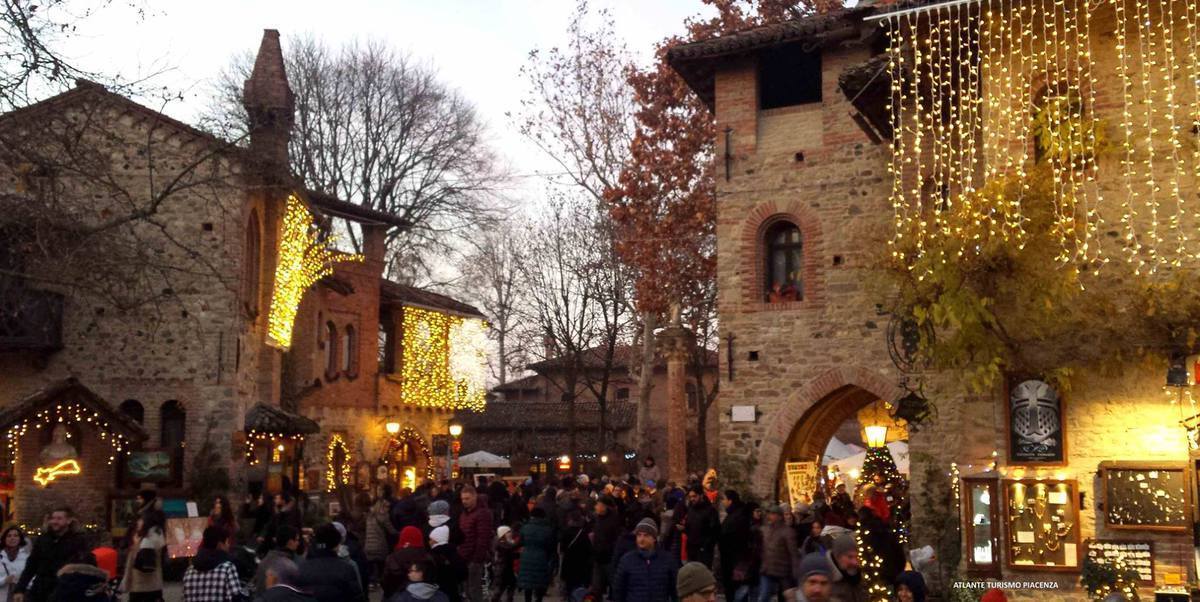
675, 344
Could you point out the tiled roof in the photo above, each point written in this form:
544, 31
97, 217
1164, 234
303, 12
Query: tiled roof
532, 382
331, 205
543, 416
394, 292
70, 389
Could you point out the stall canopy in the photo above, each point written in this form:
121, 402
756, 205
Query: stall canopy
898, 449
482, 459
836, 450
272, 419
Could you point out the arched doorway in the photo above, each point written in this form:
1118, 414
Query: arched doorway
408, 459
801, 429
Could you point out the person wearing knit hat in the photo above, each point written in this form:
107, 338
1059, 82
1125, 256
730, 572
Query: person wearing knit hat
845, 568
695, 583
910, 587
814, 575
646, 574
439, 513
449, 567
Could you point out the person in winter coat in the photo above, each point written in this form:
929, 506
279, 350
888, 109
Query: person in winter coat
910, 587
286, 513
420, 587
734, 543
814, 541
212, 577
352, 551
410, 548
674, 528
646, 574
504, 568
288, 548
379, 531
814, 576
13, 557
439, 515
407, 513
702, 526
59, 545
81, 582
778, 556
746, 571
537, 553
576, 545
327, 576
695, 583
449, 569
282, 581
475, 523
143, 578
222, 515
845, 570
605, 533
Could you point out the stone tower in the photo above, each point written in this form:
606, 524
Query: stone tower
270, 105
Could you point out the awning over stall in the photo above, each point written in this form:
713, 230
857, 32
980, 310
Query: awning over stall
265, 418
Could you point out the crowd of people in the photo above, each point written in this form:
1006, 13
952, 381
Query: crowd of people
624, 540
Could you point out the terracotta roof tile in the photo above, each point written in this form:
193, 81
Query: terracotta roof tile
394, 292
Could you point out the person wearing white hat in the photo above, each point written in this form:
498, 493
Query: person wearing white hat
451, 570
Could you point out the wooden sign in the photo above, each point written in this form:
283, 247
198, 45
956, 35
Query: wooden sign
1148, 496
1137, 555
1036, 432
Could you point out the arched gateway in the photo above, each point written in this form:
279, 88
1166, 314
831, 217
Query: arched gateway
802, 428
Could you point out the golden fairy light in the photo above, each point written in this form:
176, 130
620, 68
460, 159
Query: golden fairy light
985, 90
338, 473
445, 360
303, 259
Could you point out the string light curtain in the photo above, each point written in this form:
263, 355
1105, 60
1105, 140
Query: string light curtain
303, 259
984, 91
445, 360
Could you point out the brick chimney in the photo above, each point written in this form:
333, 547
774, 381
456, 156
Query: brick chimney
270, 104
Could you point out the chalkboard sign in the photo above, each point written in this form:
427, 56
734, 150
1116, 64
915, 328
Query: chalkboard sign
1137, 555
1141, 495
1035, 424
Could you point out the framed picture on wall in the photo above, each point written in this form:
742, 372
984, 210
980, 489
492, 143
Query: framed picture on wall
149, 466
1146, 496
1036, 427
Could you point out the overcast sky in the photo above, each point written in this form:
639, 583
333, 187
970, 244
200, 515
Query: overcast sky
478, 45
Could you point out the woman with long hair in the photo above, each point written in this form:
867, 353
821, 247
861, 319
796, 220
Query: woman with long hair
143, 568
13, 556
222, 516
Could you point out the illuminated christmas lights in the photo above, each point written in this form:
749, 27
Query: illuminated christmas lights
412, 435
303, 259
45, 474
70, 413
985, 91
335, 474
445, 360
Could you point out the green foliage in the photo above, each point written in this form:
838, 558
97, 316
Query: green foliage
734, 473
1014, 306
1063, 134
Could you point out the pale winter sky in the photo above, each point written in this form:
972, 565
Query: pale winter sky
478, 45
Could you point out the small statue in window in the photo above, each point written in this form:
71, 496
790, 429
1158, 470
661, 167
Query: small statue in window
59, 448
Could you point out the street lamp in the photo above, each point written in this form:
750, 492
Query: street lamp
392, 428
876, 435
604, 459
455, 429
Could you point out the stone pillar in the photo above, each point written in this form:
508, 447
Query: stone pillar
675, 344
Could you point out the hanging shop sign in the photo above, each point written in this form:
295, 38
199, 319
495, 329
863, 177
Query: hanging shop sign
1137, 555
1036, 432
1042, 524
801, 480
1150, 496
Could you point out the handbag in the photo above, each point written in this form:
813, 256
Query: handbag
146, 560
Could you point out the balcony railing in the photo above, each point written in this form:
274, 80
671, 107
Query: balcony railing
30, 320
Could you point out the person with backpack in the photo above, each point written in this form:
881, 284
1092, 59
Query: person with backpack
143, 578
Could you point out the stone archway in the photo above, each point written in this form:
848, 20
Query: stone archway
804, 425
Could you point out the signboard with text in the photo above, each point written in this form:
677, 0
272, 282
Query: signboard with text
801, 480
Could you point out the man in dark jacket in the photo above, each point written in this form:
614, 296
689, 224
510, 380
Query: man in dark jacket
282, 582
327, 576
735, 539
475, 522
779, 557
60, 545
604, 541
646, 574
702, 526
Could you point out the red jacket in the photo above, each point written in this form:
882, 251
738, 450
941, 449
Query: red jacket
476, 527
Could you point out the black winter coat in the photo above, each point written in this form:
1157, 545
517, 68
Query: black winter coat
50, 553
607, 532
703, 528
330, 578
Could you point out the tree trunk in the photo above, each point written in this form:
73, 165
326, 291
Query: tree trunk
569, 397
503, 358
645, 384
702, 405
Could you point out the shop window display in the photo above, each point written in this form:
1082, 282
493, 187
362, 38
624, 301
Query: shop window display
1042, 520
1145, 496
982, 526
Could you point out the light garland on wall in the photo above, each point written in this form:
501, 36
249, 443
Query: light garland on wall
968, 105
412, 435
255, 437
69, 413
303, 259
333, 472
872, 564
445, 360
44, 475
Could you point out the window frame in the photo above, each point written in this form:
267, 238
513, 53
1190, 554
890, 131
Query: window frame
348, 356
770, 249
331, 359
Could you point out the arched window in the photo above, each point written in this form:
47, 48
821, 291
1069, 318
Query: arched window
331, 340
133, 409
252, 264
784, 263
349, 345
174, 425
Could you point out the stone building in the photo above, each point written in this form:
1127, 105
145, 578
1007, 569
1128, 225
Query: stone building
526, 418
171, 310
805, 215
